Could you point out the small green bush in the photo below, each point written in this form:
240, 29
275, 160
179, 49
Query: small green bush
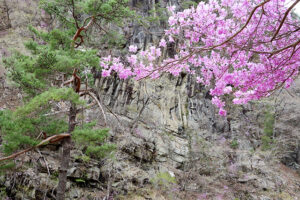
266, 142
93, 140
3, 194
234, 144
269, 122
163, 179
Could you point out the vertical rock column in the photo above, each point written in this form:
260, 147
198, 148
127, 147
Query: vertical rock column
4, 16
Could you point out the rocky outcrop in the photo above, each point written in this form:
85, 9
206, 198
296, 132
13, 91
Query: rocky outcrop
172, 123
171, 143
4, 15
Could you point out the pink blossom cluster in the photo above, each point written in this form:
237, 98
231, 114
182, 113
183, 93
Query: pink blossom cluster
242, 48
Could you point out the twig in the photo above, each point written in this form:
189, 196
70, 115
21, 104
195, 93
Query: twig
145, 103
55, 113
74, 15
88, 106
46, 163
113, 114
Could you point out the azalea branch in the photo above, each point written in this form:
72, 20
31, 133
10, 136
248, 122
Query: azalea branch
293, 45
284, 18
198, 50
239, 31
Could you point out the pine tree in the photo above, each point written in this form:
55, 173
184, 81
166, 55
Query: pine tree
54, 54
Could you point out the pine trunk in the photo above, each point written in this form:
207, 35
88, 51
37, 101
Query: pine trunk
65, 155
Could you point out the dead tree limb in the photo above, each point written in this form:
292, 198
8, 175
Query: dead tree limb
49, 140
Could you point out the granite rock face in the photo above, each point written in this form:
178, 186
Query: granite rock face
174, 121
4, 13
171, 142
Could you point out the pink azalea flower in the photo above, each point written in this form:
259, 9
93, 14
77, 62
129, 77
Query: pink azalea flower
132, 49
163, 43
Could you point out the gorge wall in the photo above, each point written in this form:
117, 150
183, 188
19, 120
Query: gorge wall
171, 142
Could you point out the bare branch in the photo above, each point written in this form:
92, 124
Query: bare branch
98, 102
90, 23
73, 14
52, 139
113, 114
68, 81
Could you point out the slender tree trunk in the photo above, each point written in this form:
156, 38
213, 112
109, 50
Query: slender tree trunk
67, 142
65, 155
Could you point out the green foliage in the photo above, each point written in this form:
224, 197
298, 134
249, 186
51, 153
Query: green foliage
163, 179
114, 39
234, 144
20, 128
3, 194
54, 126
52, 55
157, 15
18, 69
93, 139
269, 122
266, 142
83, 158
5, 166
41, 102
33, 74
79, 180
105, 10
16, 133
56, 39
188, 4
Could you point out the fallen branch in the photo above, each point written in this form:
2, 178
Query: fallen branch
49, 140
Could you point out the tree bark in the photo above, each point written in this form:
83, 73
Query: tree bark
66, 155
67, 142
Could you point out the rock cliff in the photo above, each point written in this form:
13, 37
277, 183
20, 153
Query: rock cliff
171, 142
